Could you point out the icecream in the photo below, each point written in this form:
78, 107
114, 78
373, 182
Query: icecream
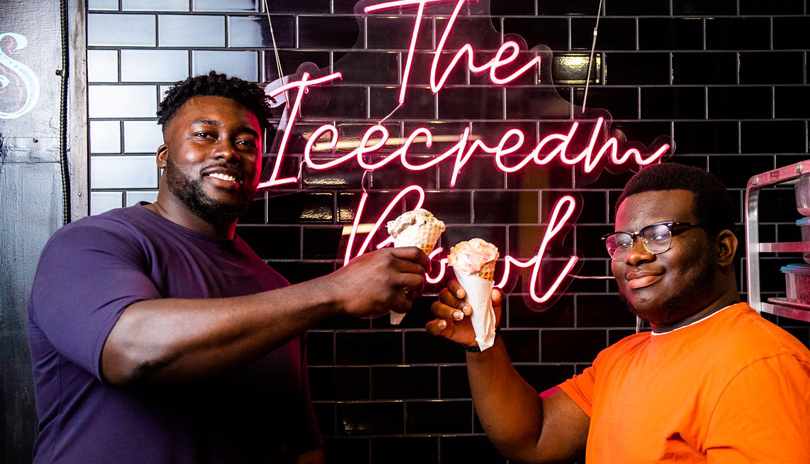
417, 228
473, 262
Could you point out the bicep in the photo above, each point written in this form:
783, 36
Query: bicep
84, 281
565, 427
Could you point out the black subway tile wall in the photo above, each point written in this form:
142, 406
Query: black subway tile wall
727, 80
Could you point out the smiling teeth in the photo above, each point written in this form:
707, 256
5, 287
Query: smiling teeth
223, 176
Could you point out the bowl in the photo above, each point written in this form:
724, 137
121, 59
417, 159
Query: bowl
803, 195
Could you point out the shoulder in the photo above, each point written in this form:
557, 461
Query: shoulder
748, 336
117, 219
626, 346
117, 229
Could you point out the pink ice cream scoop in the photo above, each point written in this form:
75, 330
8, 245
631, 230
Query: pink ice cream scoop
474, 257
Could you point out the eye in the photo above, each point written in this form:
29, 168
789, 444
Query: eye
623, 240
202, 135
658, 234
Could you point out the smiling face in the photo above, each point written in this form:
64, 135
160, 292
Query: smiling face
670, 286
212, 156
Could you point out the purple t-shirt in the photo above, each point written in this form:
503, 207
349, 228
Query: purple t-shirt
93, 269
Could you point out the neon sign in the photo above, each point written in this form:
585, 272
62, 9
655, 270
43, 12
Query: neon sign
583, 144
467, 49
562, 212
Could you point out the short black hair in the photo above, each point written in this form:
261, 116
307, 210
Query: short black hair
711, 203
247, 94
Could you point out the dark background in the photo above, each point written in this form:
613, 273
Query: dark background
726, 80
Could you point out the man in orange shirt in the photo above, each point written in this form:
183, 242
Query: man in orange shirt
712, 381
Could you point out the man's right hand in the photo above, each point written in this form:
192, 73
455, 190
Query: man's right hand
452, 311
389, 279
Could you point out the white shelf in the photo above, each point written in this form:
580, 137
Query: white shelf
780, 307
785, 247
784, 176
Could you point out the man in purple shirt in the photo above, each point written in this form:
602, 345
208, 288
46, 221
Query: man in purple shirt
158, 336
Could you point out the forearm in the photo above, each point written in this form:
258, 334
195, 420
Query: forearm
509, 409
174, 340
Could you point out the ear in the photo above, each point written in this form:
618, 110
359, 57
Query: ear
726, 247
162, 155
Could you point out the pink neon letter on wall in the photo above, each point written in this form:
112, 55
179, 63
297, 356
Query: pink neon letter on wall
302, 86
561, 213
501, 57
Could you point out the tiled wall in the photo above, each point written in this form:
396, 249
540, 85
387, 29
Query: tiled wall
726, 80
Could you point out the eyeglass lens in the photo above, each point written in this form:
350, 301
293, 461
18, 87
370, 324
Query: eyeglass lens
656, 239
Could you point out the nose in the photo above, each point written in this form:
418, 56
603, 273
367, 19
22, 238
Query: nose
638, 253
225, 149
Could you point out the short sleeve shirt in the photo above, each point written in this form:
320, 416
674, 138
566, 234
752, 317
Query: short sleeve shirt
732, 388
90, 271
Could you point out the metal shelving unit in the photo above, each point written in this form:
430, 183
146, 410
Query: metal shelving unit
787, 175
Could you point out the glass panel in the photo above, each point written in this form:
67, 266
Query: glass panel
572, 68
154, 65
155, 5
232, 63
102, 66
102, 5
551, 7
254, 31
123, 172
738, 34
124, 30
101, 202
230, 5
699, 8
670, 33
142, 136
132, 198
327, 32
309, 6
105, 137
128, 101
191, 31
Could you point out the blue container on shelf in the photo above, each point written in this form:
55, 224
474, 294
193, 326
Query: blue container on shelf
797, 282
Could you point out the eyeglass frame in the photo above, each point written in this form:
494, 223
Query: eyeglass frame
633, 235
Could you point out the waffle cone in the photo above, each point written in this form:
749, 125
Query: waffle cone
487, 272
423, 236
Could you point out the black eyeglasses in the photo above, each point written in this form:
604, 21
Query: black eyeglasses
656, 238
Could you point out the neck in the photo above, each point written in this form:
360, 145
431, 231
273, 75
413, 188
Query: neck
171, 208
728, 298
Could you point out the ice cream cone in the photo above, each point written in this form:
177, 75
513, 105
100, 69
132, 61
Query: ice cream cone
479, 296
487, 271
417, 228
423, 236
474, 265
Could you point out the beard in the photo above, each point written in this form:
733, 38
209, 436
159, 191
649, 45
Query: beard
695, 290
190, 192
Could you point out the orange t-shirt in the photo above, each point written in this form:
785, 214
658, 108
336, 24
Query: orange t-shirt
730, 388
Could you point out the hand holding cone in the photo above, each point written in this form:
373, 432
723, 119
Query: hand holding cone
417, 228
473, 262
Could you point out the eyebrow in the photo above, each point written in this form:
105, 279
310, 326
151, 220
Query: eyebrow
212, 122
